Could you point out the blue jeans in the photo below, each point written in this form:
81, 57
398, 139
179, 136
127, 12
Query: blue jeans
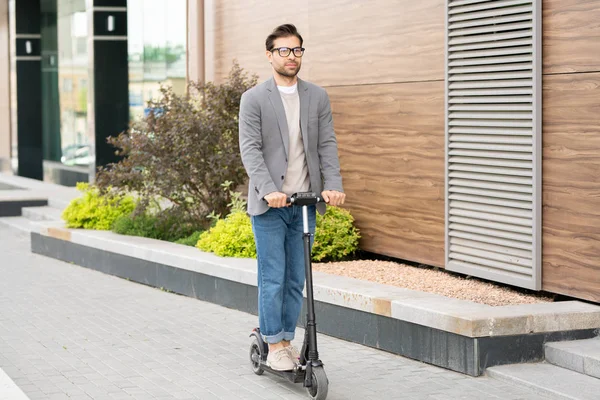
281, 275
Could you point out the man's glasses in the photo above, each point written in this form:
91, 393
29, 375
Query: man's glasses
285, 51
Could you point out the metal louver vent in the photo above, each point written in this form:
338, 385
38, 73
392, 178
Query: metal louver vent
493, 140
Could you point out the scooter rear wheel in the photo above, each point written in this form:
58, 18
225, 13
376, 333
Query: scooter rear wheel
320, 384
255, 356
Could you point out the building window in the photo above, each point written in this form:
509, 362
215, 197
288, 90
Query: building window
157, 41
73, 65
67, 85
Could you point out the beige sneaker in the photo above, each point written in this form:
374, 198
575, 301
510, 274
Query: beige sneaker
280, 360
294, 353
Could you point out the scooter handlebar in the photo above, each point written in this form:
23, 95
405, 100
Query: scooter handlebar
304, 199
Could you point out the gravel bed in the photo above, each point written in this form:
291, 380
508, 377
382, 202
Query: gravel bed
432, 280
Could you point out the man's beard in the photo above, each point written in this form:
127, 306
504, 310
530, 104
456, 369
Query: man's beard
282, 71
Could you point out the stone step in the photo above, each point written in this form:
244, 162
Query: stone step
58, 202
549, 380
44, 213
13, 201
9, 389
581, 356
21, 223
54, 195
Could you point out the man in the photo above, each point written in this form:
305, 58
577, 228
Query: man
287, 145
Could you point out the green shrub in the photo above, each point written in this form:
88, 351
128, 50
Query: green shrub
230, 237
162, 226
336, 236
140, 226
190, 240
96, 209
184, 149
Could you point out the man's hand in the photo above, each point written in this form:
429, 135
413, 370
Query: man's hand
276, 199
333, 197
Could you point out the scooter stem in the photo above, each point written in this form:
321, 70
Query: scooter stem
305, 219
311, 326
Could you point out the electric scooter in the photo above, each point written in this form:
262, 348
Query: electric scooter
309, 369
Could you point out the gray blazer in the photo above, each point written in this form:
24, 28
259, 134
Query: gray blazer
264, 141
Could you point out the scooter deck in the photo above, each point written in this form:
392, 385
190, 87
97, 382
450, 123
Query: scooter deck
291, 375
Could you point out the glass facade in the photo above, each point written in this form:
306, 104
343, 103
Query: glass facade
64, 34
72, 81
154, 53
51, 140
157, 45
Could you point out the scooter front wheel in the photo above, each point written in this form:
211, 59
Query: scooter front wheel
320, 384
255, 356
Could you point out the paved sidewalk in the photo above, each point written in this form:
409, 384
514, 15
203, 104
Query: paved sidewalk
67, 332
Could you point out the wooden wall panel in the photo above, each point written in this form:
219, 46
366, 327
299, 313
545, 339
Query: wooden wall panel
377, 41
571, 35
391, 145
382, 64
380, 41
571, 185
347, 42
238, 29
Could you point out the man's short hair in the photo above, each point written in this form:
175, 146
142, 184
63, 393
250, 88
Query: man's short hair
285, 30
